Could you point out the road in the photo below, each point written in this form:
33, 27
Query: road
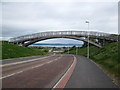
22, 59
41, 72
45, 72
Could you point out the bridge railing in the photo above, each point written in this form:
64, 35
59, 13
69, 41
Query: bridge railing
59, 33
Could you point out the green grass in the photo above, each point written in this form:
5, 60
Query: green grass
0, 50
14, 51
106, 57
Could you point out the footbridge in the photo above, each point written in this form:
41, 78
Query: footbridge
94, 37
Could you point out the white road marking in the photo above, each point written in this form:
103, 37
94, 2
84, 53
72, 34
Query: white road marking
11, 74
38, 66
63, 75
30, 68
24, 61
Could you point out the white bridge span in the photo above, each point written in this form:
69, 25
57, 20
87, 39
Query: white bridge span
32, 38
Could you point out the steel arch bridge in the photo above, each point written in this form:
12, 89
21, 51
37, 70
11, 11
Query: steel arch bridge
27, 40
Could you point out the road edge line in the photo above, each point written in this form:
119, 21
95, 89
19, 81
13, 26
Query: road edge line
64, 79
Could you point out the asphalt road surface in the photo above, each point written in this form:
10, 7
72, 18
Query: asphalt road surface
22, 59
45, 72
35, 73
88, 75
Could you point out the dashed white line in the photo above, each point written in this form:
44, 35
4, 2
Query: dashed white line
11, 74
24, 61
30, 68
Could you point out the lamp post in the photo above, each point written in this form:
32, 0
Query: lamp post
76, 50
68, 49
88, 40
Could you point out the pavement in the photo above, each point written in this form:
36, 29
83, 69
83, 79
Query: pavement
88, 75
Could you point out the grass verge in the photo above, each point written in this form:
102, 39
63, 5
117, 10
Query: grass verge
10, 50
106, 57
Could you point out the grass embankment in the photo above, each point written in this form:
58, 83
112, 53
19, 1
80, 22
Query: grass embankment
14, 51
106, 57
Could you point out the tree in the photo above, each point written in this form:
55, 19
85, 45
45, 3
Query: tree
72, 48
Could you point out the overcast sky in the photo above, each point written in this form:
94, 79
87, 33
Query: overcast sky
23, 17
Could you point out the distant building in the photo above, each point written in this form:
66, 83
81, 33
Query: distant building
50, 50
56, 50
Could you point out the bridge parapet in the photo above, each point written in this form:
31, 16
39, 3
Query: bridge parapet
59, 33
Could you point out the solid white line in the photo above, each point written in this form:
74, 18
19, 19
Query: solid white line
63, 75
30, 68
24, 61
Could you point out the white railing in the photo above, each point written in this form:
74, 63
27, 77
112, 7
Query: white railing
58, 33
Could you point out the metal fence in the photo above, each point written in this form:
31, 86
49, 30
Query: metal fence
59, 33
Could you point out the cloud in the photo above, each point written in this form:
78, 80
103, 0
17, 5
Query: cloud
59, 1
20, 18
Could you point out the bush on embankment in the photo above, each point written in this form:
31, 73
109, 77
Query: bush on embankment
107, 57
10, 50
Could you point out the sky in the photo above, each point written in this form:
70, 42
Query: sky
21, 17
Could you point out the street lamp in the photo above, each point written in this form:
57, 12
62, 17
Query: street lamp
68, 49
88, 40
76, 50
